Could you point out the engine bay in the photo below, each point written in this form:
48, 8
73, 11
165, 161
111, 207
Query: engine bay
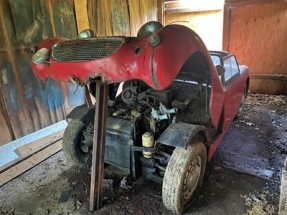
139, 114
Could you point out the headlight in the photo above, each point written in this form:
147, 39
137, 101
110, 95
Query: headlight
154, 40
41, 56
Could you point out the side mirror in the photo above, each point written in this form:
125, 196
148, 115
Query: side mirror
87, 33
220, 69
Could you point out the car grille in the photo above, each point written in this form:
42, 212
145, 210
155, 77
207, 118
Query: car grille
85, 50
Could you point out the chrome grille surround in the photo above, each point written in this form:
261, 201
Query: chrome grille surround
86, 50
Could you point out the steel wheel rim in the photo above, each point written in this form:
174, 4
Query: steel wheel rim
192, 177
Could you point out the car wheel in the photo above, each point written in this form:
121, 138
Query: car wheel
73, 143
183, 177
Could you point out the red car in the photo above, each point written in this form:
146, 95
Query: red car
165, 120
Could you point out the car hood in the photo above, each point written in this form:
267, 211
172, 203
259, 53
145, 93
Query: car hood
155, 59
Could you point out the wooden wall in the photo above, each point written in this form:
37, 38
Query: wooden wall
207, 24
26, 104
115, 17
204, 17
256, 31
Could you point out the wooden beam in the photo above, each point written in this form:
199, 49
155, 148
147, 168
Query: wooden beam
283, 191
30, 162
82, 18
276, 76
39, 144
160, 12
226, 28
192, 6
99, 142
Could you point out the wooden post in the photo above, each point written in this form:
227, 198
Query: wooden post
283, 193
99, 140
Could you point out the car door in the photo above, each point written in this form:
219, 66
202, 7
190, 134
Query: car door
234, 86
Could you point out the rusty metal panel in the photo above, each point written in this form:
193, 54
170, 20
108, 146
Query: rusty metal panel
180, 134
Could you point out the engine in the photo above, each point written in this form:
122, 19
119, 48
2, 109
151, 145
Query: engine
138, 115
139, 102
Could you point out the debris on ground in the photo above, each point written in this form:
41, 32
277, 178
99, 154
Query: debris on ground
108, 183
259, 205
124, 183
261, 128
6, 211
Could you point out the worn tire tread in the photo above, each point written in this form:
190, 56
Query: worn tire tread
174, 175
71, 140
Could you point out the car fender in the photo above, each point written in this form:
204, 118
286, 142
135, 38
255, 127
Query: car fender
83, 113
180, 134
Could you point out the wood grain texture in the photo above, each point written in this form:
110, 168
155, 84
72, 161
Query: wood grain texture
140, 13
35, 146
120, 17
7, 133
211, 35
28, 163
28, 104
64, 18
257, 33
81, 12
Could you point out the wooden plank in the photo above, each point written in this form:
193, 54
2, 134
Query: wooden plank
92, 7
7, 132
8, 153
192, 6
283, 191
276, 76
255, 31
39, 144
64, 18
140, 13
21, 120
30, 162
81, 11
120, 18
160, 11
212, 36
28, 22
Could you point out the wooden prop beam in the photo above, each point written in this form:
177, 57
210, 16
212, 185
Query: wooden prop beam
99, 142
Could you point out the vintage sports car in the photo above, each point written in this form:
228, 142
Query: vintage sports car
170, 102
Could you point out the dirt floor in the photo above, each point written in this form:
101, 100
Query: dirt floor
256, 144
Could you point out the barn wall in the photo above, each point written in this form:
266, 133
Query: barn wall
207, 24
27, 104
256, 32
120, 17
204, 17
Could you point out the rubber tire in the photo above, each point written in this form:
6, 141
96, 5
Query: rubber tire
173, 182
71, 143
